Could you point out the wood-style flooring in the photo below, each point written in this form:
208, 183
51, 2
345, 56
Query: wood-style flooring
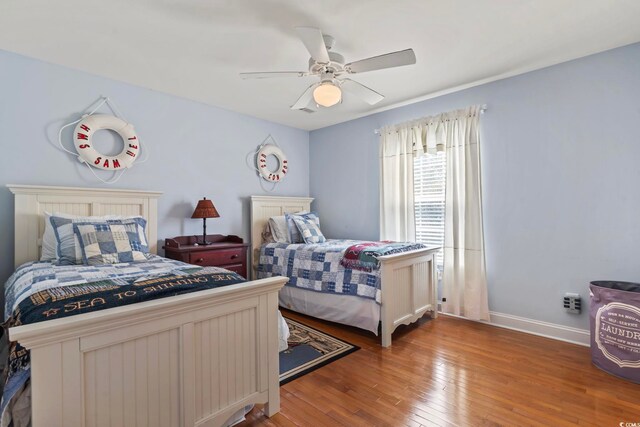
452, 372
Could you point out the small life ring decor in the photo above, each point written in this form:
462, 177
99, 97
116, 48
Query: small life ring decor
85, 129
261, 163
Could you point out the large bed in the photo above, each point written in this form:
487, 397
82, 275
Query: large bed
194, 359
407, 280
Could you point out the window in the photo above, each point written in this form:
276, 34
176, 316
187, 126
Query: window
429, 184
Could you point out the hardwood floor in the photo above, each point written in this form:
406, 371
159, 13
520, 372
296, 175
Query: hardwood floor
452, 372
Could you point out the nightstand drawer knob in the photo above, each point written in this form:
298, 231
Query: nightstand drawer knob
234, 256
200, 260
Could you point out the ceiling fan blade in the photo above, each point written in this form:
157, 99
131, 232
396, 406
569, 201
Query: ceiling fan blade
305, 98
313, 41
389, 60
270, 74
368, 95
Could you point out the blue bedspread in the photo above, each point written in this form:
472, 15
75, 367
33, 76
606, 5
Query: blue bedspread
317, 267
37, 286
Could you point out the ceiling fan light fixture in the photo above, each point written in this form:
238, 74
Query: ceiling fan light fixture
332, 68
327, 94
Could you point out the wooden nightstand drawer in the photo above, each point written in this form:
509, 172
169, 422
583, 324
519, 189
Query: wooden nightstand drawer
228, 252
216, 258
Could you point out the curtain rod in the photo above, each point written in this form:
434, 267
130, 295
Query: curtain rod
483, 108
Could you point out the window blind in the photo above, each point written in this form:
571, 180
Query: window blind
429, 193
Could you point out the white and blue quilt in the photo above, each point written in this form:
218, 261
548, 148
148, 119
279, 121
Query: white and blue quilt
317, 267
41, 277
37, 276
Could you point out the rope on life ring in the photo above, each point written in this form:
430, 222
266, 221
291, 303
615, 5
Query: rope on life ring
257, 161
88, 154
87, 125
261, 163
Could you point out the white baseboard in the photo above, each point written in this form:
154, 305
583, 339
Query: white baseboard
535, 327
543, 329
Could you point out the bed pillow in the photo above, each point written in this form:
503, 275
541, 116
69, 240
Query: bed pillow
294, 232
49, 242
266, 236
309, 228
278, 227
110, 242
68, 249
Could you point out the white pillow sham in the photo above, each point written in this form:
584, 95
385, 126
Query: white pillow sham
278, 227
49, 242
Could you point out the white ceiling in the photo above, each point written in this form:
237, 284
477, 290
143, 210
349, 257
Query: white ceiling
196, 48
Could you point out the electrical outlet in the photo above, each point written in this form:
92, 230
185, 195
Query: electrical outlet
572, 303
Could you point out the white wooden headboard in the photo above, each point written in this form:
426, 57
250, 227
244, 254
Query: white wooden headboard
263, 208
31, 201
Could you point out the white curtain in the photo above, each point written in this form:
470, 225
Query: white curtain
457, 133
397, 216
464, 278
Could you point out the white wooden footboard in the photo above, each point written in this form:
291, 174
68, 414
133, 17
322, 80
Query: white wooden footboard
189, 360
409, 289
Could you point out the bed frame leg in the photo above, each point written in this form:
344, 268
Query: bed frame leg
273, 405
433, 285
387, 330
386, 339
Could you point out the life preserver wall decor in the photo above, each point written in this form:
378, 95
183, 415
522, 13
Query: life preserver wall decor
87, 153
263, 153
258, 161
86, 127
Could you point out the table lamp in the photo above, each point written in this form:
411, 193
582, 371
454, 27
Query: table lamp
204, 210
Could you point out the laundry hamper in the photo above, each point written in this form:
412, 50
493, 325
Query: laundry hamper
615, 328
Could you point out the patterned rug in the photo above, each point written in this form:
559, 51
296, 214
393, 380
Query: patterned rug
309, 349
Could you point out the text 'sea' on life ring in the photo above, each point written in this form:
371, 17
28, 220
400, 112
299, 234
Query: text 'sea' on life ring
91, 124
261, 163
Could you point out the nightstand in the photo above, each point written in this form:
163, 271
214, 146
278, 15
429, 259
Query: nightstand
228, 252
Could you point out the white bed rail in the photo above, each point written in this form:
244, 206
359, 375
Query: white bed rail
409, 289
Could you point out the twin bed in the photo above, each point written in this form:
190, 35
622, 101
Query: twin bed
188, 360
194, 359
407, 280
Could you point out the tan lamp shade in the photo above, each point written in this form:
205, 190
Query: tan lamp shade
205, 209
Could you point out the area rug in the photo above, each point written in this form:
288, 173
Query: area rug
309, 349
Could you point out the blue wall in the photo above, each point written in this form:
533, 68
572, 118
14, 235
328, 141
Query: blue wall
560, 157
196, 150
561, 179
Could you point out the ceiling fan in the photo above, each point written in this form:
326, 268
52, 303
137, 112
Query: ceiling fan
331, 68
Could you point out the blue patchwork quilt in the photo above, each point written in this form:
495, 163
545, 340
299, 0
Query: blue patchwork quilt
317, 267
